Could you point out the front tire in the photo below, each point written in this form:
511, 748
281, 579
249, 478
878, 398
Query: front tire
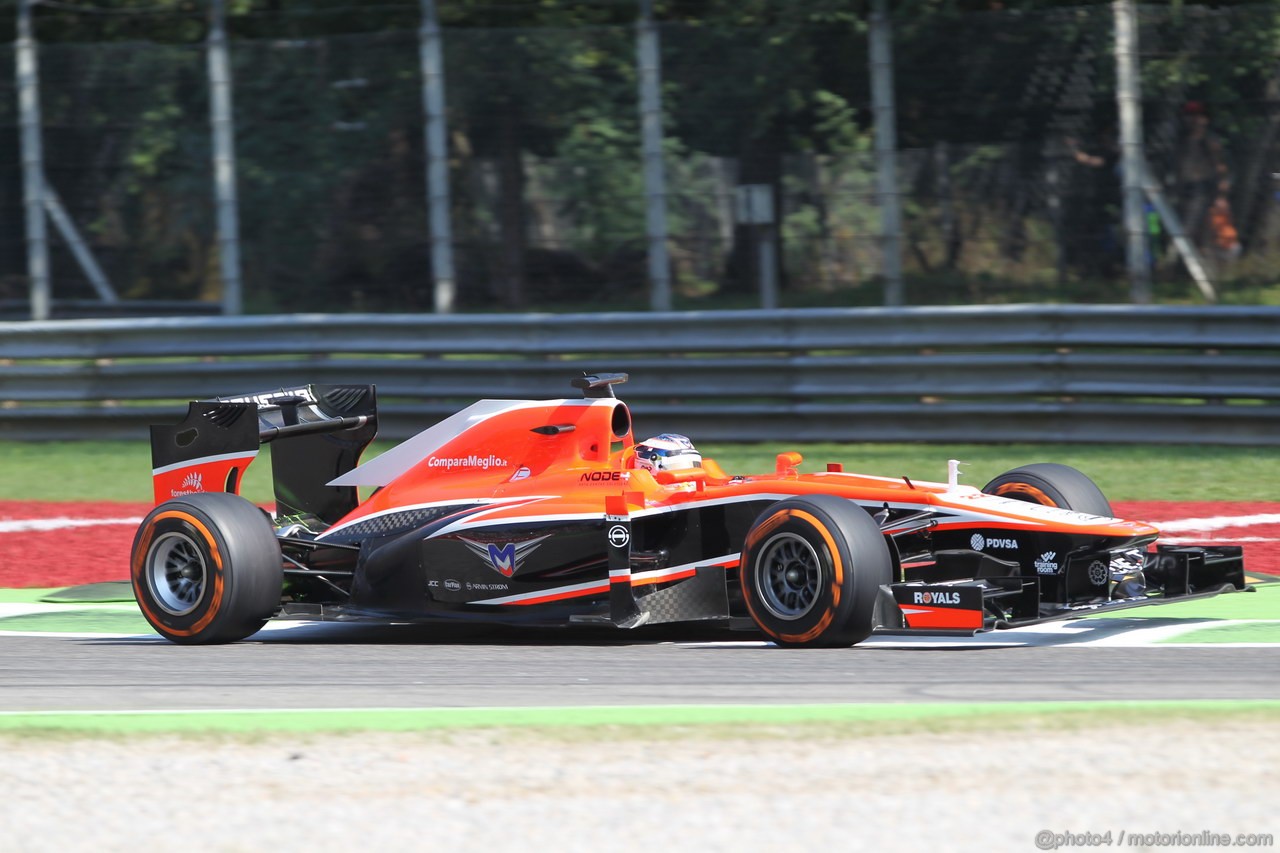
1051, 484
811, 570
206, 568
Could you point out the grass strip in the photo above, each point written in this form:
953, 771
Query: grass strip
1250, 632
852, 718
122, 619
121, 470
26, 595
93, 593
1264, 603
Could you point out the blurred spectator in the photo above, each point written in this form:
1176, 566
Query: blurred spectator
1226, 238
1095, 215
1201, 181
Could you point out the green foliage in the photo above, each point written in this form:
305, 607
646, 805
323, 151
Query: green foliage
835, 122
545, 152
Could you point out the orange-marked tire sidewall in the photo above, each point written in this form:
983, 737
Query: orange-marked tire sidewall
1025, 492
187, 626
832, 558
1052, 484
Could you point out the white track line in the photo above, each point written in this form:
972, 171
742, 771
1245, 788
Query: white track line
24, 525
1217, 522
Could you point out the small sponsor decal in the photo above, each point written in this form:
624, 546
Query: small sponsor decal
483, 463
978, 542
522, 473
487, 587
1047, 563
452, 585
269, 398
504, 558
601, 477
191, 484
1098, 573
433, 584
619, 536
936, 598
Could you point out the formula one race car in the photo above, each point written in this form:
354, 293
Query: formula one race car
549, 513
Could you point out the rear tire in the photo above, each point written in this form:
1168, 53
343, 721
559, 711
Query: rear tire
811, 570
206, 568
1051, 484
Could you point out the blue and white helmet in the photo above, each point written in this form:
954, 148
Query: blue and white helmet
667, 452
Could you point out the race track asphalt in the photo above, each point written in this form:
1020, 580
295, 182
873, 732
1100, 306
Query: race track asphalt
356, 666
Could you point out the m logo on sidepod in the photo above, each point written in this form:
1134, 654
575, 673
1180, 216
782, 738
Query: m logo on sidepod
505, 559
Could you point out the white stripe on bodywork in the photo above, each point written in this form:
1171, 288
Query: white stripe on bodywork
461, 503
482, 519
205, 460
479, 520
382, 469
659, 574
636, 578
560, 590
1023, 512
698, 504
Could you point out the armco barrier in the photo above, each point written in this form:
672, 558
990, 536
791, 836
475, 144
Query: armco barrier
1007, 373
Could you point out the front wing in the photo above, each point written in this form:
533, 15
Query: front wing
1172, 573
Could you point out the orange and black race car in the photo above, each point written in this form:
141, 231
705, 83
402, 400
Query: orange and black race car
548, 512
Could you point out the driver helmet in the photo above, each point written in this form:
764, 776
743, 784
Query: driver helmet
667, 452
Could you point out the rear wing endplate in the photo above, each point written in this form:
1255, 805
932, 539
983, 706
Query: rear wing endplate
319, 433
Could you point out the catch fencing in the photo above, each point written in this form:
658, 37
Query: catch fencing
1150, 374
1006, 161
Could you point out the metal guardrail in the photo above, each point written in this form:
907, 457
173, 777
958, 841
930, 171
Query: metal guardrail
75, 309
1006, 373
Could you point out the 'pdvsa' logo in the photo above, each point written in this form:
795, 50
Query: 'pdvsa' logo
978, 542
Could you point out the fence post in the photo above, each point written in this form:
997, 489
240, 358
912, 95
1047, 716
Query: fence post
883, 113
1172, 224
1129, 101
224, 160
655, 189
62, 222
32, 165
444, 290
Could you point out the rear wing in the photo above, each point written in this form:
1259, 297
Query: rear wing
319, 432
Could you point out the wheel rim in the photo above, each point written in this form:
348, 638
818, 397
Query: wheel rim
176, 573
788, 576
